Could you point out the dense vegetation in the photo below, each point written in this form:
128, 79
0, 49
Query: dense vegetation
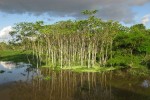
89, 43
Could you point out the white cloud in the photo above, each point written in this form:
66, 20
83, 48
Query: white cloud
4, 33
146, 19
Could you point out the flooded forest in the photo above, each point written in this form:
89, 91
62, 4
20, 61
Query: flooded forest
88, 59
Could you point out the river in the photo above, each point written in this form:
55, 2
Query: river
19, 81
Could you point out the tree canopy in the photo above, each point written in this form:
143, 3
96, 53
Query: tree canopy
90, 42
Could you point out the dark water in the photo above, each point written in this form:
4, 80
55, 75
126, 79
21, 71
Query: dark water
46, 84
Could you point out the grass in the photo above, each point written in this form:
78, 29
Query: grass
15, 55
84, 68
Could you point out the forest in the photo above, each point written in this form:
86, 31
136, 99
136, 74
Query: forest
86, 43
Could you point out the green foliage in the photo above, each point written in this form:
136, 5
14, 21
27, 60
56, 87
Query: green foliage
15, 55
5, 46
89, 42
88, 12
146, 61
47, 78
120, 60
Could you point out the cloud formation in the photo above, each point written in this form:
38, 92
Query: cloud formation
4, 33
120, 10
146, 19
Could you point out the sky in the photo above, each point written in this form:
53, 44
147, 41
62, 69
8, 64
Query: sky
127, 12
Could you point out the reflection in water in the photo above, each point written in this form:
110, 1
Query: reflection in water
146, 83
7, 65
67, 85
46, 84
15, 72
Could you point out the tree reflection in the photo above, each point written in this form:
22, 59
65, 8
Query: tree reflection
68, 85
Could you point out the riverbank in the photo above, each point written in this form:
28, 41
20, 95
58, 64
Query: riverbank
15, 55
26, 56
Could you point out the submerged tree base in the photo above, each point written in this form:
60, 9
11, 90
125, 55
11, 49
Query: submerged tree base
93, 69
135, 71
83, 68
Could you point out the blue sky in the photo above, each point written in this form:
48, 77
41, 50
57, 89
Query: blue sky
11, 19
141, 12
128, 12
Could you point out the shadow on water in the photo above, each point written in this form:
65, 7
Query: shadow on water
67, 85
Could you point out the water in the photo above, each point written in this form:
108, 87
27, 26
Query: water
12, 72
68, 85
